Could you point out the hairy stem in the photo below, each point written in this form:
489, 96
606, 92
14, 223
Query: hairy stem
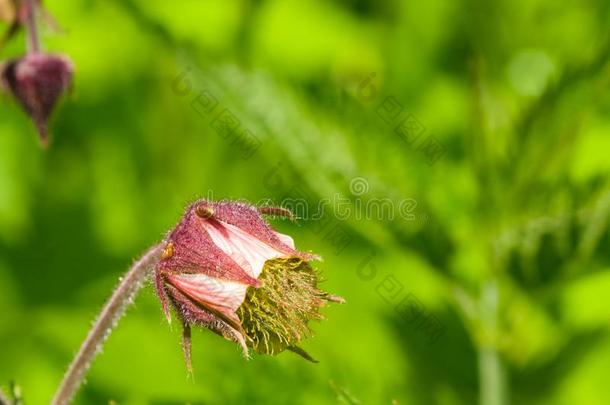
31, 27
114, 308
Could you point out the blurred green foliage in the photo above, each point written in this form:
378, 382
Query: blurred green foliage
508, 246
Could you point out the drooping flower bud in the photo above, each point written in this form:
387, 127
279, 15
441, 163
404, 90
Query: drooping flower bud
37, 81
226, 269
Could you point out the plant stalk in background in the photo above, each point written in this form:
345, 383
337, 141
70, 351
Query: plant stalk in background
492, 379
4, 398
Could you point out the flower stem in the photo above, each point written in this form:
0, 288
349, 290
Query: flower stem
114, 308
31, 26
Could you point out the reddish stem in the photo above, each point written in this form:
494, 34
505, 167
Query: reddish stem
31, 26
122, 296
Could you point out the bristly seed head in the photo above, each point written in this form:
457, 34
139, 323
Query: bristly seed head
275, 316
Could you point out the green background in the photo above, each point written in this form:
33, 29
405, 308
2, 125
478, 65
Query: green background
507, 246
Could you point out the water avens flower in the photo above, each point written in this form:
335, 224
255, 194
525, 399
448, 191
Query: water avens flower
37, 80
224, 268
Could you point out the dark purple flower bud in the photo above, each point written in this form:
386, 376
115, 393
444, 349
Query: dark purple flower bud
226, 269
37, 81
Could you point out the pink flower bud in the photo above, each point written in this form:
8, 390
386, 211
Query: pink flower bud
226, 269
37, 81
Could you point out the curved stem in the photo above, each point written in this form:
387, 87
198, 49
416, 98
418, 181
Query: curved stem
31, 26
114, 308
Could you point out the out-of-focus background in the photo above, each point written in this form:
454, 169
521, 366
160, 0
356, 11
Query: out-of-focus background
449, 160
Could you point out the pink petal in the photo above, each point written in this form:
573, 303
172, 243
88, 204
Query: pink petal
285, 239
225, 296
246, 250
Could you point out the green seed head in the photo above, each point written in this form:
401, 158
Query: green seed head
276, 315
